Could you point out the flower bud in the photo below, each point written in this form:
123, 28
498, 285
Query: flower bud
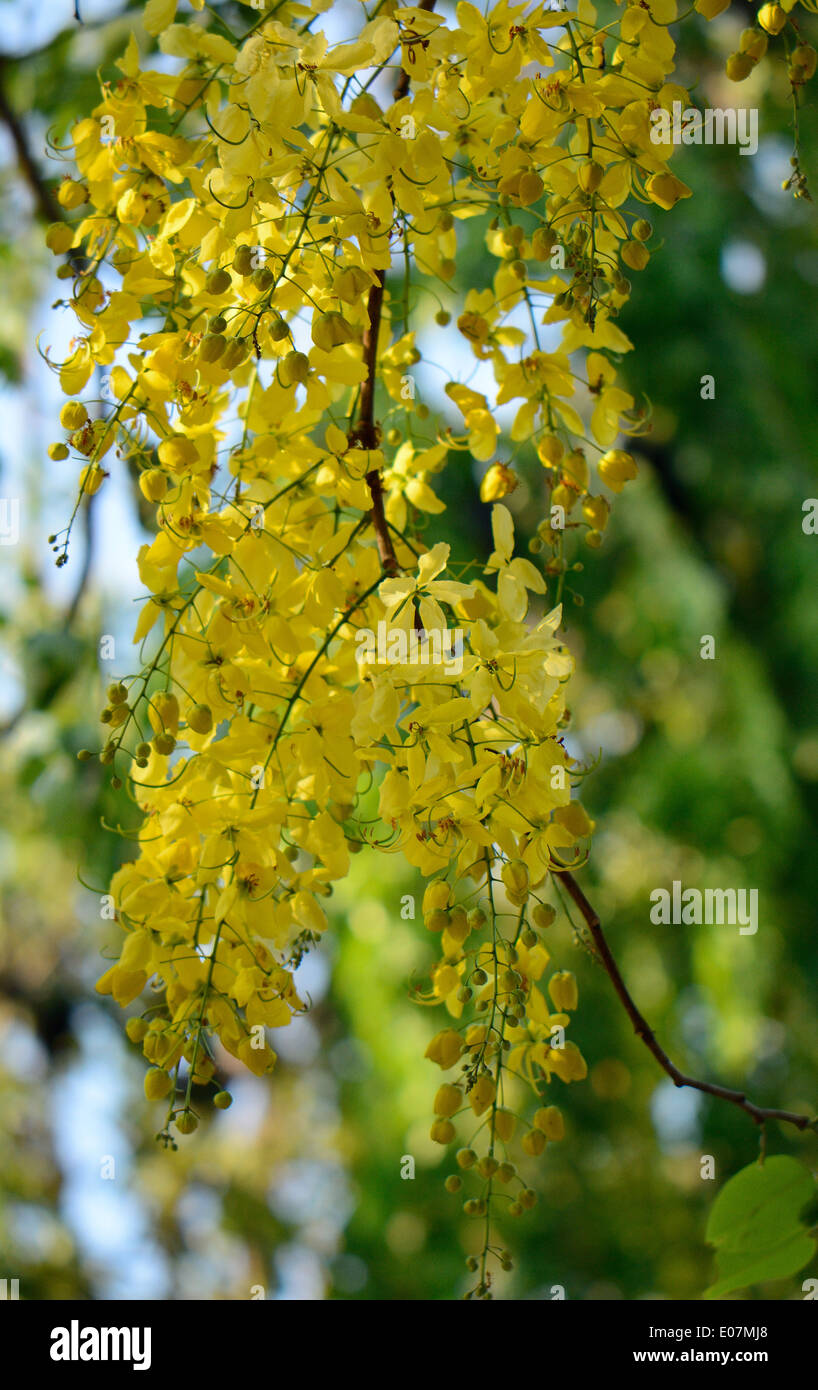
59, 238
505, 1124
91, 478
263, 278
164, 712
442, 1132
530, 189
236, 352
200, 719
515, 878
243, 261
482, 1093
804, 59
445, 1048
635, 255
498, 481
739, 66
549, 1120
211, 347
72, 194
563, 990
153, 484
590, 175
295, 367
543, 915
772, 18
157, 1083
331, 330
533, 1143
218, 282
73, 415
616, 468
448, 1100
543, 243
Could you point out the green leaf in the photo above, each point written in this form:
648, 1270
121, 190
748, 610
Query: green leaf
757, 1225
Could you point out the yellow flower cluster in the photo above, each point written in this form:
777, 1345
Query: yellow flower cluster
265, 221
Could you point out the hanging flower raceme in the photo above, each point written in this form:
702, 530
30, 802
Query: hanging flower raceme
260, 224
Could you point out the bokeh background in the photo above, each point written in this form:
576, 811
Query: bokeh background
706, 771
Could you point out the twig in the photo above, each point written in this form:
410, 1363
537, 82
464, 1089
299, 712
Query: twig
759, 1114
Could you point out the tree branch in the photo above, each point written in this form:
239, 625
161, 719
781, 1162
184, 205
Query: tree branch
402, 87
365, 433
759, 1114
47, 205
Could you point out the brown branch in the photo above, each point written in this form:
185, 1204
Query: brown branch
402, 87
47, 205
759, 1114
366, 432
45, 202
